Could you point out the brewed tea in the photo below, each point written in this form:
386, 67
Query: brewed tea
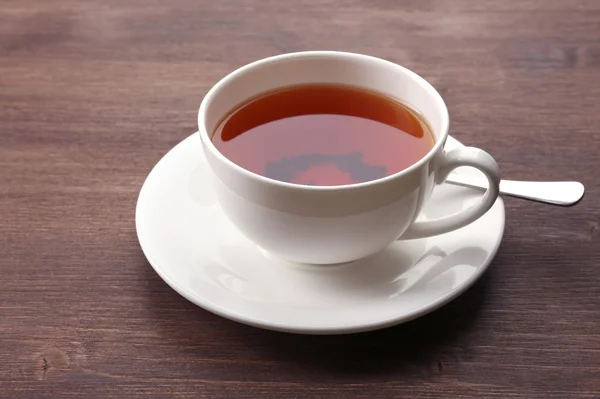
323, 135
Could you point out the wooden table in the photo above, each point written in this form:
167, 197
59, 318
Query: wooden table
93, 93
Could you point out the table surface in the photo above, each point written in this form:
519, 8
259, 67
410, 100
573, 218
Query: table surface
93, 93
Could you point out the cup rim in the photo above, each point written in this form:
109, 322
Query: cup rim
205, 136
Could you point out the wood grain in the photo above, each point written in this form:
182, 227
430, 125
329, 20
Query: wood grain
93, 93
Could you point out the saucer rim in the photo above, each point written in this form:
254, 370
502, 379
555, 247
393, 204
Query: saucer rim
304, 329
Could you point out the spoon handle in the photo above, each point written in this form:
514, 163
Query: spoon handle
552, 192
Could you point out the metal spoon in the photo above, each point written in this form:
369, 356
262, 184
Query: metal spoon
551, 192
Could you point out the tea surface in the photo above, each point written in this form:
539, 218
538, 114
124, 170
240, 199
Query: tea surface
322, 134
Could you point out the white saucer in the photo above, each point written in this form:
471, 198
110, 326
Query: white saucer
197, 251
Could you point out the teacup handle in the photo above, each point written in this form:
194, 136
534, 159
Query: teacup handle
462, 156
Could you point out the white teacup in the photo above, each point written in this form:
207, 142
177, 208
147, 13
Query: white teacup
325, 225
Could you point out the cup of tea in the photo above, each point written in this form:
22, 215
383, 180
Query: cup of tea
326, 157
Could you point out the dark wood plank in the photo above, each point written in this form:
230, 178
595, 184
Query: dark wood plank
92, 94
